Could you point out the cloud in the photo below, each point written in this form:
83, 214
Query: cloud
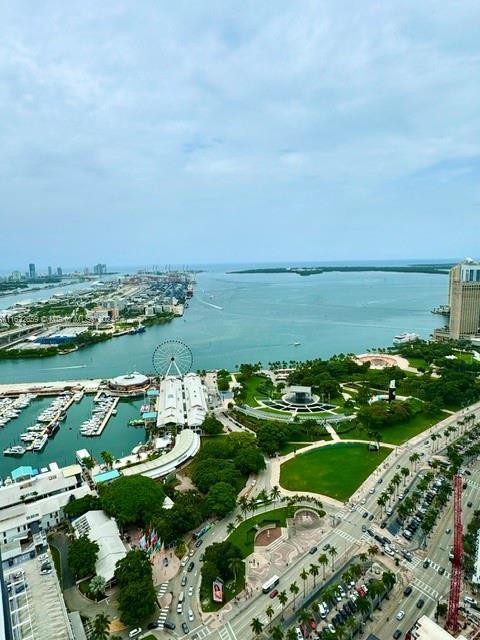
268, 110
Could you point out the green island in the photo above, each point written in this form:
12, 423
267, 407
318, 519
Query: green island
312, 271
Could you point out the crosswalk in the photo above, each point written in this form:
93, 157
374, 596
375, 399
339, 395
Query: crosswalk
226, 632
346, 536
163, 589
425, 589
200, 632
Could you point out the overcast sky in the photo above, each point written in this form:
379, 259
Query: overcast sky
139, 132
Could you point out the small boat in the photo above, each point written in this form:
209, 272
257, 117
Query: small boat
16, 451
297, 344
403, 338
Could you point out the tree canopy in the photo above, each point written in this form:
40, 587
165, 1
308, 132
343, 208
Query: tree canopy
82, 556
136, 594
132, 499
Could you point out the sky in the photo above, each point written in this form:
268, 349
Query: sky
154, 132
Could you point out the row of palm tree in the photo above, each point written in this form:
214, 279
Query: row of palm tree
364, 605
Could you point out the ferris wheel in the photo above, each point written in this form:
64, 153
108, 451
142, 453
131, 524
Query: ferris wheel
172, 358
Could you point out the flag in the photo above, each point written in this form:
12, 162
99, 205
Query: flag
142, 542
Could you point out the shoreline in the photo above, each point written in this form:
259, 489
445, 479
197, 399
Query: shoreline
309, 271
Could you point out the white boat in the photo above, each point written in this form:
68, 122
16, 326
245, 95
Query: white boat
39, 443
403, 338
16, 450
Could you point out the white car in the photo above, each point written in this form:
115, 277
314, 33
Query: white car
389, 552
43, 557
372, 490
135, 632
184, 561
190, 591
45, 572
191, 617
400, 615
363, 501
192, 551
331, 628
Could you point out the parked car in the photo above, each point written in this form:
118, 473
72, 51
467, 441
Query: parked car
185, 628
191, 617
135, 632
190, 591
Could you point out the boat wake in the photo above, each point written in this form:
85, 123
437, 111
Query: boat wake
209, 304
73, 366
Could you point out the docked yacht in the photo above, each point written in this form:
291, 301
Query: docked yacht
403, 338
17, 450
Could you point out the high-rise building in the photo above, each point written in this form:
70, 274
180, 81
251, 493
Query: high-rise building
31, 271
100, 269
464, 299
49, 271
59, 271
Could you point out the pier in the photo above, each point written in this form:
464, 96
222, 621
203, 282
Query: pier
50, 388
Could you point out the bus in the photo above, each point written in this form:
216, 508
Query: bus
201, 532
270, 583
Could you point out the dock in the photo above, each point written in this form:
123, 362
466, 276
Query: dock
50, 388
108, 415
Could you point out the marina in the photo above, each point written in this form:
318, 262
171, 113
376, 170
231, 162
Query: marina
118, 438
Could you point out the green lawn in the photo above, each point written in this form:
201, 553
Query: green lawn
244, 535
336, 471
397, 433
252, 385
418, 363
230, 590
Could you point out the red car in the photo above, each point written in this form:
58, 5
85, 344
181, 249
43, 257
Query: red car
274, 593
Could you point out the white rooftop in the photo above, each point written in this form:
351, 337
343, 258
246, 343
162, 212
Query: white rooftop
104, 531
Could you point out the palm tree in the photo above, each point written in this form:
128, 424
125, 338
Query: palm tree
303, 616
283, 599
314, 571
323, 560
101, 625
243, 504
107, 458
96, 586
389, 579
382, 501
405, 473
294, 589
363, 557
275, 493
350, 625
340, 632
414, 458
363, 606
373, 550
88, 463
256, 626
235, 564
332, 552
304, 577
270, 613
230, 528
291, 634
434, 437
277, 633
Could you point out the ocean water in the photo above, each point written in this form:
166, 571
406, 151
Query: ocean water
235, 318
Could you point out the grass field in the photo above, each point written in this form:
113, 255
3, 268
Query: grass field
244, 535
397, 433
335, 471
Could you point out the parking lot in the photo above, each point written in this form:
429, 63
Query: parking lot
35, 600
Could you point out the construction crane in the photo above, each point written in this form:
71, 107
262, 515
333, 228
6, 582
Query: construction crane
456, 577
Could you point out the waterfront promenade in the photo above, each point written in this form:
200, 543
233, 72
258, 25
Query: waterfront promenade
50, 388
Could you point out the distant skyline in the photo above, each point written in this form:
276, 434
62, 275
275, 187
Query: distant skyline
200, 133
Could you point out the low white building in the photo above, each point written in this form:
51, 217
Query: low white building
99, 528
427, 629
182, 402
195, 400
35, 504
